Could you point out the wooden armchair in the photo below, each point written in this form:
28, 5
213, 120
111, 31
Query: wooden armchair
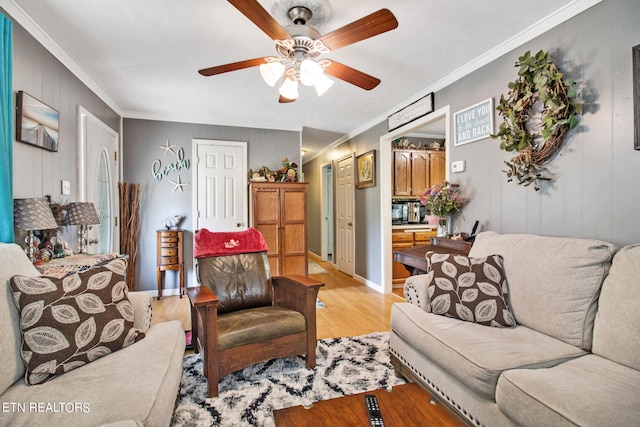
240, 315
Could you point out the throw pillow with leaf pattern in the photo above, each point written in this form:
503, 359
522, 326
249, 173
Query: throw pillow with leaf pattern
71, 321
470, 289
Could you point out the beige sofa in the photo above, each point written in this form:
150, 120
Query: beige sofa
572, 359
135, 386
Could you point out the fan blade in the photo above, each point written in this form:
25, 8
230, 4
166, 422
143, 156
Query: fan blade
364, 28
284, 100
232, 67
261, 18
351, 75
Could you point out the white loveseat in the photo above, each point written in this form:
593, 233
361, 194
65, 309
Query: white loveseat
573, 358
135, 386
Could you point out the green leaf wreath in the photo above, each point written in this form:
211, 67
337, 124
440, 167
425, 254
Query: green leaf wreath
539, 81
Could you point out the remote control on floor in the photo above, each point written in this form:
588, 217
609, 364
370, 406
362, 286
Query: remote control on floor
375, 418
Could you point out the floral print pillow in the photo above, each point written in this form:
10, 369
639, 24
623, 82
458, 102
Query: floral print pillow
71, 321
470, 289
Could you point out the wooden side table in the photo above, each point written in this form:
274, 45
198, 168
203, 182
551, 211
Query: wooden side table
169, 251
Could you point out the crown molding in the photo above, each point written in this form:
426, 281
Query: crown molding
542, 26
545, 24
22, 18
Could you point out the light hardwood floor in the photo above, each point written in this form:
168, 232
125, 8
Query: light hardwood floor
350, 308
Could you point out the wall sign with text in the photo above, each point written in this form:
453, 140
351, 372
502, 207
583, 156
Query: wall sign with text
411, 112
473, 123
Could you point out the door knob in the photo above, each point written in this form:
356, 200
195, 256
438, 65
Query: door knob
350, 224
238, 224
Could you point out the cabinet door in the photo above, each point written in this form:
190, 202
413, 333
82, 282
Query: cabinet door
399, 272
419, 173
293, 246
402, 173
266, 214
437, 167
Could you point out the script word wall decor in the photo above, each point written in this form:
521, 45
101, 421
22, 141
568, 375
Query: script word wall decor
159, 171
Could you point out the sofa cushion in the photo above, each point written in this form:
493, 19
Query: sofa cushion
587, 391
13, 261
138, 383
474, 354
615, 333
554, 282
470, 289
71, 321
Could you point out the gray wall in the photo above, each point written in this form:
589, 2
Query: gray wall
142, 140
367, 219
38, 172
594, 189
594, 192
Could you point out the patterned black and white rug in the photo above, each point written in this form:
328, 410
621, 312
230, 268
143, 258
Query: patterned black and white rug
247, 398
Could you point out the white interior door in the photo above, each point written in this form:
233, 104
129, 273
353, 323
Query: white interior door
98, 176
344, 216
220, 185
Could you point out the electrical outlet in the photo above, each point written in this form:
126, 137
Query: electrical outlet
459, 166
65, 187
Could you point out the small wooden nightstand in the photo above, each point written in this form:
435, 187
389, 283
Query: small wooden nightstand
169, 247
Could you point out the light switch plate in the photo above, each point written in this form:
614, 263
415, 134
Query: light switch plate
65, 187
459, 166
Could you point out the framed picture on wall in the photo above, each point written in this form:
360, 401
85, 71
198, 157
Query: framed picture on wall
366, 170
36, 123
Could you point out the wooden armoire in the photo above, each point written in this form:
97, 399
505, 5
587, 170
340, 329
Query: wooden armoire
279, 212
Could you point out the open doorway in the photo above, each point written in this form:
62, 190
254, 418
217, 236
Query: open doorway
327, 215
438, 116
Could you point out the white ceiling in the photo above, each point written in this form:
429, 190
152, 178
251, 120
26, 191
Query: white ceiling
142, 56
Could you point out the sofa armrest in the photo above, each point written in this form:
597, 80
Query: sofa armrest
415, 290
141, 302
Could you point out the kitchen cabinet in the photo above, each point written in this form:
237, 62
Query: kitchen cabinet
416, 170
404, 238
279, 212
402, 173
437, 167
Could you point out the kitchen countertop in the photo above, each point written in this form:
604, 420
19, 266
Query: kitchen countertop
413, 227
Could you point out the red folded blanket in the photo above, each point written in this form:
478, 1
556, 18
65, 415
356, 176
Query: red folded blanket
207, 243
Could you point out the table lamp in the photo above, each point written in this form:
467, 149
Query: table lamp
82, 214
30, 215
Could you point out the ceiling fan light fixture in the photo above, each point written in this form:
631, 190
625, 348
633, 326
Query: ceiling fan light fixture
323, 84
271, 72
310, 72
289, 88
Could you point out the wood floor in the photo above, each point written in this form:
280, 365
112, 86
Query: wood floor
350, 308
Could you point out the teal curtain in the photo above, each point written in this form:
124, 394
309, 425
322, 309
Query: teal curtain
6, 130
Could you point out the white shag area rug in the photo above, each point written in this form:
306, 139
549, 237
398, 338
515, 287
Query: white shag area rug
247, 398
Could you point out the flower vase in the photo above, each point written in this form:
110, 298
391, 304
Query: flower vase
443, 226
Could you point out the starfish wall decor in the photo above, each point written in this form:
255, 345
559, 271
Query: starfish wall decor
178, 185
159, 172
168, 148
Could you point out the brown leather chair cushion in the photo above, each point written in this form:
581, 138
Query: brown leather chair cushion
257, 324
239, 281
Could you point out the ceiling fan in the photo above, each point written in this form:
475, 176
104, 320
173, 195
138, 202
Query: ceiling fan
298, 46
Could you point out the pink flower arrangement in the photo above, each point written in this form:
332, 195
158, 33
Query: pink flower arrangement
443, 199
